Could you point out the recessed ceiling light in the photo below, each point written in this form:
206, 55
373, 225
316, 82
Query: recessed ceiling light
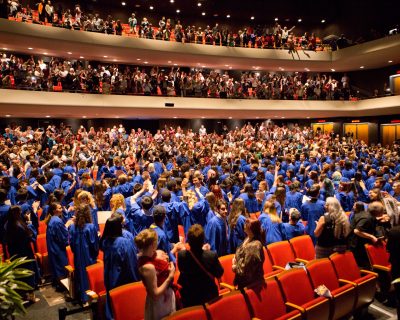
203, 66
177, 10
227, 65
172, 1
30, 48
84, 117
137, 5
308, 117
257, 117
215, 14
45, 53
230, 67
169, 61
252, 17
282, 117
5, 48
230, 117
48, 116
199, 4
333, 70
123, 3
228, 15
175, 117
175, 64
8, 115
276, 19
69, 52
151, 7
105, 56
203, 13
81, 57
138, 59
390, 61
306, 69
114, 60
323, 21
203, 117
362, 67
145, 62
299, 20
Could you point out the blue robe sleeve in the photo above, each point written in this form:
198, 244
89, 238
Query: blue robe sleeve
183, 212
213, 236
95, 220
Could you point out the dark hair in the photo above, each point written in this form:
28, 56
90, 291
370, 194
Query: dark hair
83, 215
314, 191
248, 188
359, 207
256, 229
112, 229
195, 238
166, 195
3, 195
159, 213
14, 221
147, 202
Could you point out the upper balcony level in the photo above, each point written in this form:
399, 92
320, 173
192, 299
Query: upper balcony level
38, 39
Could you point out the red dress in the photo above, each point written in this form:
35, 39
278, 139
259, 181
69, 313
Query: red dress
161, 267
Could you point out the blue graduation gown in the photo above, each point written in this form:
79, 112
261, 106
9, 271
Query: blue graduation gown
57, 241
4, 208
251, 205
177, 213
273, 230
200, 212
237, 234
311, 212
137, 220
120, 265
292, 231
293, 200
84, 244
216, 235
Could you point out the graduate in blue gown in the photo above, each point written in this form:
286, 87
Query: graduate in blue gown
19, 236
312, 210
84, 244
139, 218
271, 223
236, 220
216, 231
57, 241
159, 214
294, 227
85, 197
120, 261
250, 200
4, 209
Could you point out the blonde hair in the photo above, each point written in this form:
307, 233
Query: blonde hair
340, 220
117, 201
191, 198
270, 209
87, 197
145, 239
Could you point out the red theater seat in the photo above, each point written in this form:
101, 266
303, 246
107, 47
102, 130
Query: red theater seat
228, 276
231, 306
281, 253
128, 301
303, 248
191, 313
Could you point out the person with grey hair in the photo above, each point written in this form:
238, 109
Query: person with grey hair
294, 227
332, 230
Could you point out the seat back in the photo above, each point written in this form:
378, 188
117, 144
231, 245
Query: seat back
230, 306
377, 254
70, 257
266, 300
191, 313
281, 253
41, 244
123, 305
345, 266
321, 272
267, 265
303, 247
229, 275
95, 274
296, 286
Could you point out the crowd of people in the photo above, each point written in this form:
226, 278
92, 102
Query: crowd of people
57, 74
233, 192
274, 37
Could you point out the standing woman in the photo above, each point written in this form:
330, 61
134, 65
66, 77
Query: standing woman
236, 221
157, 276
84, 244
120, 262
249, 258
19, 235
57, 241
87, 198
250, 200
117, 204
332, 230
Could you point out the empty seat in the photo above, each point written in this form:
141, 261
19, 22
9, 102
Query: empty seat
303, 248
191, 313
299, 295
267, 266
42, 256
70, 283
128, 301
280, 253
230, 306
228, 276
365, 281
97, 290
343, 299
378, 257
266, 301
